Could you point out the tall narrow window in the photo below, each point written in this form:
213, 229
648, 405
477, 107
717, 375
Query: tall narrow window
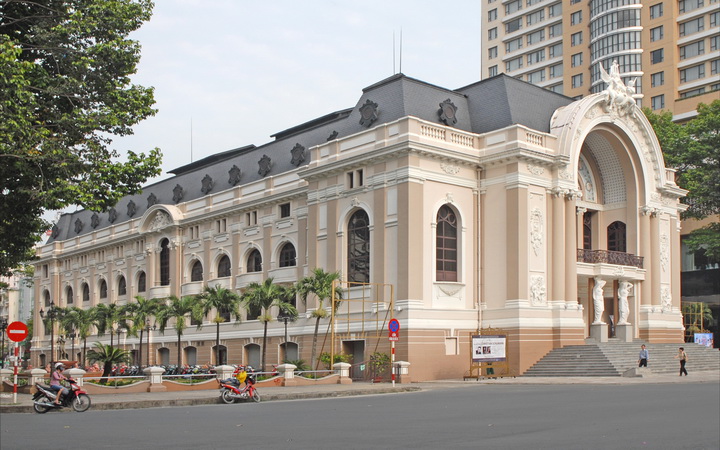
287, 255
122, 286
359, 247
224, 267
587, 231
69, 295
164, 262
46, 296
616, 237
254, 263
446, 245
141, 282
196, 273
85, 293
103, 289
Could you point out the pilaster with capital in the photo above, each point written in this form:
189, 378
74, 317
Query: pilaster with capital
646, 253
558, 246
571, 248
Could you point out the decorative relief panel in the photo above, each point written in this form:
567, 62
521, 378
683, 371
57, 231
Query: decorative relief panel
368, 113
664, 251
264, 165
161, 220
94, 220
178, 193
79, 226
665, 299
450, 169
112, 215
535, 170
207, 184
151, 200
298, 155
131, 208
536, 230
537, 290
448, 112
234, 175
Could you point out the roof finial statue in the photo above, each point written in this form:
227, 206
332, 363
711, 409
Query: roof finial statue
618, 96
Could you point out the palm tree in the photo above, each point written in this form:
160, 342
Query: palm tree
106, 316
263, 296
178, 309
140, 313
220, 300
109, 356
320, 285
81, 321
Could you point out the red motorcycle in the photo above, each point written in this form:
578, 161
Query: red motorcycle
44, 398
230, 391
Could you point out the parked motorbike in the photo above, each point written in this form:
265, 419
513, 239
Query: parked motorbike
44, 398
230, 390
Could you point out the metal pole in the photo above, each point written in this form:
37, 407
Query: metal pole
3, 327
15, 370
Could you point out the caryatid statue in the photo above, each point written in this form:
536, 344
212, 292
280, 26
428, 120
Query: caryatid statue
598, 299
624, 289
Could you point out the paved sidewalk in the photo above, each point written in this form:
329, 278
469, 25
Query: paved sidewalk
210, 396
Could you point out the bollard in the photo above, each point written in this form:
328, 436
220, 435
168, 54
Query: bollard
343, 369
76, 374
287, 371
402, 370
223, 372
6, 375
155, 376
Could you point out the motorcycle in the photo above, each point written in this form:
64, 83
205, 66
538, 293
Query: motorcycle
230, 391
44, 398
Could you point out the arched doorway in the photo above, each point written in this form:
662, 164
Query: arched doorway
252, 355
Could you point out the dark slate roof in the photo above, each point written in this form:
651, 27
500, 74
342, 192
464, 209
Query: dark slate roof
484, 106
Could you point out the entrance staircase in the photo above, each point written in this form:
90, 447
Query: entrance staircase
613, 358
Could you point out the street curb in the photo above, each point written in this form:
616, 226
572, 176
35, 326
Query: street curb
139, 404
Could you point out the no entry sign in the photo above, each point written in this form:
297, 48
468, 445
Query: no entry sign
17, 331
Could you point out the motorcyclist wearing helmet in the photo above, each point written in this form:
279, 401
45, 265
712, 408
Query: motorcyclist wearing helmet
55, 385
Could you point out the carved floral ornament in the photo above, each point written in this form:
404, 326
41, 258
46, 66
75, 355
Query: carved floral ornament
368, 113
264, 165
298, 155
207, 184
447, 113
235, 175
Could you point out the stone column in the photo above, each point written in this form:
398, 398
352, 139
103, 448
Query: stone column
646, 253
654, 270
571, 250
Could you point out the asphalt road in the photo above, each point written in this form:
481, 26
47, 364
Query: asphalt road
660, 416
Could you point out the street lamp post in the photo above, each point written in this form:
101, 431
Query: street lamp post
284, 316
51, 313
72, 344
3, 327
148, 328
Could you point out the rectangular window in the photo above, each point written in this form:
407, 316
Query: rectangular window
656, 33
536, 77
658, 102
513, 25
576, 60
577, 80
714, 19
555, 10
46, 271
492, 34
692, 73
555, 50
656, 11
537, 16
576, 38
715, 67
535, 37
692, 93
513, 64
714, 43
555, 30
657, 56
492, 15
492, 53
513, 45
692, 50
492, 71
557, 88
251, 218
513, 6
284, 210
576, 18
221, 226
556, 71
657, 79
692, 26
690, 5
536, 57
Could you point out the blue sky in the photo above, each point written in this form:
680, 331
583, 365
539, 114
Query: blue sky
243, 70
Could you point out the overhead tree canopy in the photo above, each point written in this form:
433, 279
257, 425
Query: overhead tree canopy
65, 92
694, 150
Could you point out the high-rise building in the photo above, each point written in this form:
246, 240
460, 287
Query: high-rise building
670, 48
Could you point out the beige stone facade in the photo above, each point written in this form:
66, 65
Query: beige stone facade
533, 217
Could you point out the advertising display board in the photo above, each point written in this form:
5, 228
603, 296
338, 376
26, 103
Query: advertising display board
489, 348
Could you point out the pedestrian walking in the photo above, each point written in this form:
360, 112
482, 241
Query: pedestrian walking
643, 356
682, 356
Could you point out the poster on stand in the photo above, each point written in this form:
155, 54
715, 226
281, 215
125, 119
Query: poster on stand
488, 348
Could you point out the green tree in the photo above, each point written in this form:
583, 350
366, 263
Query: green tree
80, 321
319, 285
139, 313
65, 68
693, 149
223, 302
262, 297
109, 356
697, 317
178, 309
105, 317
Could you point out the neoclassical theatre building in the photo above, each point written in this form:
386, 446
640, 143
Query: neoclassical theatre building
499, 204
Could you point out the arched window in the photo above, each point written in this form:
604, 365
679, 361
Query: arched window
122, 286
46, 296
616, 237
103, 289
196, 274
446, 259
164, 262
587, 231
254, 262
359, 247
69, 295
85, 292
287, 255
141, 282
223, 269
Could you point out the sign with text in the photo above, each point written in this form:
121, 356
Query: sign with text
394, 330
488, 348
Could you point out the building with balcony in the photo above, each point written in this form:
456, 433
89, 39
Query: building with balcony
496, 205
671, 48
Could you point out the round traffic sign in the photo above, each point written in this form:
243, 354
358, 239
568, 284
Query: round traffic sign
394, 326
17, 331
